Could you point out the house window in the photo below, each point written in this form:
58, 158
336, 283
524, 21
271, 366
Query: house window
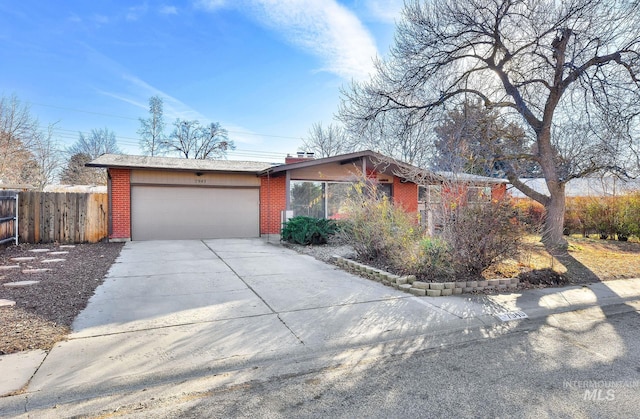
431, 194
337, 197
384, 190
325, 199
307, 199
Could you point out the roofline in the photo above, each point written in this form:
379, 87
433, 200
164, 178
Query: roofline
372, 154
313, 162
172, 169
324, 160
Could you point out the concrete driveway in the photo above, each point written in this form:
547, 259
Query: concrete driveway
169, 309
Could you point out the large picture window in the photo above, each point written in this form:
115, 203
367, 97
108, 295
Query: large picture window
324, 199
307, 199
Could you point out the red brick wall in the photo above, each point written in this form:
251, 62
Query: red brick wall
405, 194
273, 200
499, 191
120, 195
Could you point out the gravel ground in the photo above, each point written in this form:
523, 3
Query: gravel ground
324, 252
43, 312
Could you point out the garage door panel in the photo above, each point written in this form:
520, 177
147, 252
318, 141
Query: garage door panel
193, 213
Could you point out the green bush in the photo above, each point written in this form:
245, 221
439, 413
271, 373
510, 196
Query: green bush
307, 230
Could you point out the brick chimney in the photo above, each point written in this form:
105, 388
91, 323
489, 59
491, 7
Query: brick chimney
300, 157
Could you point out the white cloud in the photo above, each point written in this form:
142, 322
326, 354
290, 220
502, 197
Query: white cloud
173, 108
139, 92
168, 10
387, 11
324, 28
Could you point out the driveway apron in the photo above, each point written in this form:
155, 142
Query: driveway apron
172, 309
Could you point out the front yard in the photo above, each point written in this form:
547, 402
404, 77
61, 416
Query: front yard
607, 259
44, 311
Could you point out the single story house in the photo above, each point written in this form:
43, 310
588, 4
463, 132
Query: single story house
594, 186
171, 198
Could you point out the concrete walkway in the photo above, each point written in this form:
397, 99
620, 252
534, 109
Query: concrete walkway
172, 310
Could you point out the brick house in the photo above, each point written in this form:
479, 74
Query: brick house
169, 198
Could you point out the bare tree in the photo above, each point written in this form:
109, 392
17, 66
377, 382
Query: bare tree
17, 130
47, 158
86, 148
326, 141
98, 142
152, 138
558, 67
191, 140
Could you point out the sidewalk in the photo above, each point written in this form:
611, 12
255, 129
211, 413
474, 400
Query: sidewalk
173, 311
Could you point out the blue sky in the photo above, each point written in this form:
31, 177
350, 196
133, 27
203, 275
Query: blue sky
265, 69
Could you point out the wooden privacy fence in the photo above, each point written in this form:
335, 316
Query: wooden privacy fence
8, 217
46, 217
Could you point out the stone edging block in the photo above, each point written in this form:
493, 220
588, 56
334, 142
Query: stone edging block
410, 284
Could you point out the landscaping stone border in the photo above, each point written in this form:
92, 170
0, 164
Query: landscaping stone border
410, 284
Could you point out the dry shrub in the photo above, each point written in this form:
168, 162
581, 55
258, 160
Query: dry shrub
609, 217
430, 259
376, 228
530, 214
474, 236
480, 235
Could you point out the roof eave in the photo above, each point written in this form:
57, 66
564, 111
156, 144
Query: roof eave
173, 169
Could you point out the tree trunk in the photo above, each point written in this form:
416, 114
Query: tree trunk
552, 235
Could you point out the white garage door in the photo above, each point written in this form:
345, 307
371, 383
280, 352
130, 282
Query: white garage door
160, 212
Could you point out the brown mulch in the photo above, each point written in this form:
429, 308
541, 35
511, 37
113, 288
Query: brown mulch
44, 312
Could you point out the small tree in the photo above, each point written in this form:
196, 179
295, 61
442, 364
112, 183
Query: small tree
17, 131
152, 137
471, 138
377, 229
76, 173
480, 235
47, 158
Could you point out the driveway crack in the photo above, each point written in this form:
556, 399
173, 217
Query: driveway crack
290, 330
255, 292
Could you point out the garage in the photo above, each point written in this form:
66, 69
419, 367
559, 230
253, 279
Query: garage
167, 198
181, 212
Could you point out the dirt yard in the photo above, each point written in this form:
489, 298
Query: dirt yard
43, 312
